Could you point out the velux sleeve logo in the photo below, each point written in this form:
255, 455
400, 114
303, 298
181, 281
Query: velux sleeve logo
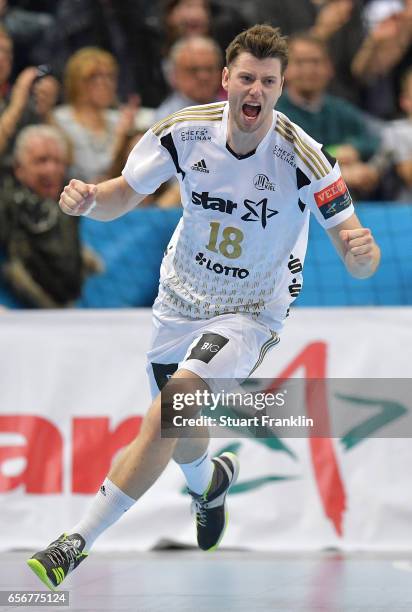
333, 199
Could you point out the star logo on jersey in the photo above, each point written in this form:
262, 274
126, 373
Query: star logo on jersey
258, 211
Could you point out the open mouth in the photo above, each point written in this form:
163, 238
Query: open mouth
251, 110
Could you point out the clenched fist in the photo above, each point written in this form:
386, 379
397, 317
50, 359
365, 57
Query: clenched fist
78, 198
360, 245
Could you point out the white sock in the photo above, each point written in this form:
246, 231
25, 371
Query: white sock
107, 507
198, 473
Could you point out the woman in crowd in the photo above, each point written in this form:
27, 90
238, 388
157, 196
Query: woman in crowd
95, 128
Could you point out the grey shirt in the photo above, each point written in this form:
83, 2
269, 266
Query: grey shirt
173, 103
396, 147
92, 153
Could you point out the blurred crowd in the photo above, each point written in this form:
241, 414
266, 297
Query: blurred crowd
81, 81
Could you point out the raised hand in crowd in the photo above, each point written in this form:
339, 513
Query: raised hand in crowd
362, 177
385, 46
346, 154
45, 93
332, 17
386, 30
128, 114
125, 128
19, 98
90, 118
22, 88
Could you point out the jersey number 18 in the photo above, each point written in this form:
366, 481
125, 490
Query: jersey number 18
230, 245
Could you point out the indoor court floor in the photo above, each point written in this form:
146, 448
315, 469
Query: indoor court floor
230, 581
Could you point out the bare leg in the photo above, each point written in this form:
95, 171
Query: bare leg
191, 455
132, 474
189, 449
143, 461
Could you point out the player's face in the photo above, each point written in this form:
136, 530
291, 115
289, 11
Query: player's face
253, 86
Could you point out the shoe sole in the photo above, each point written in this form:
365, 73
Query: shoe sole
235, 461
40, 571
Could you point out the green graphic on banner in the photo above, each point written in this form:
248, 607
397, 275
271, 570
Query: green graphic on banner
389, 411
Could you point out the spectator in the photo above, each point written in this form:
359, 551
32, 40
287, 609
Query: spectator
338, 23
390, 169
44, 267
32, 34
79, 23
95, 130
30, 100
149, 30
139, 22
195, 66
384, 55
336, 123
182, 18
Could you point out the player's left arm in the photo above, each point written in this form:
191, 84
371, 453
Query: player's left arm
356, 246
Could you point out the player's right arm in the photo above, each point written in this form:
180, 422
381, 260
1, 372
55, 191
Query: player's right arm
149, 164
104, 202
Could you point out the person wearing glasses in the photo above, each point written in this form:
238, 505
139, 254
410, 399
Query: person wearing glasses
194, 70
91, 120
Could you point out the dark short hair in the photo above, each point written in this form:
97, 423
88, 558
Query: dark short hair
261, 41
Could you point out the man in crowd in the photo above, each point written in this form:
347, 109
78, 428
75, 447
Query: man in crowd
389, 172
44, 262
194, 70
336, 123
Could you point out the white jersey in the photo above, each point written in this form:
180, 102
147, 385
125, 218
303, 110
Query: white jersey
241, 242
